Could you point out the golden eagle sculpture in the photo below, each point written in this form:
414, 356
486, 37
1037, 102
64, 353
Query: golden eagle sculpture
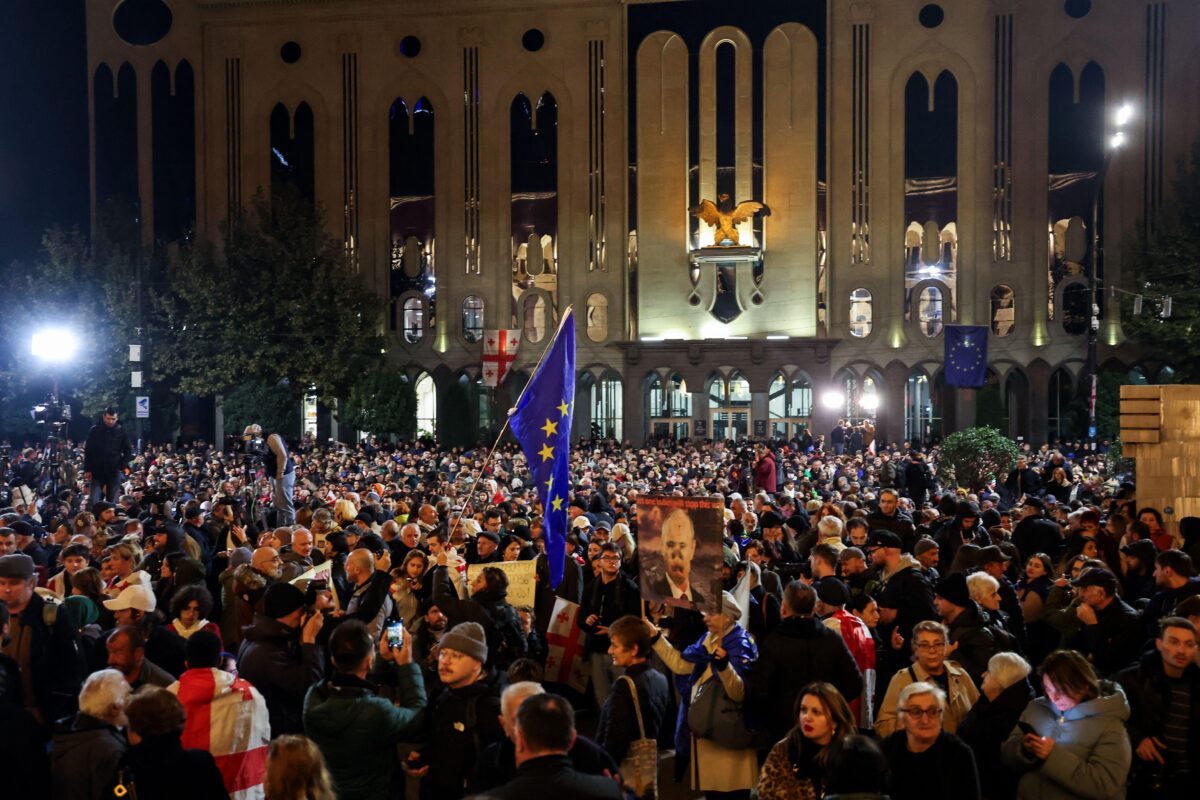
725, 217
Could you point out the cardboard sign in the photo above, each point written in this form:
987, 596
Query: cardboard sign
680, 552
522, 577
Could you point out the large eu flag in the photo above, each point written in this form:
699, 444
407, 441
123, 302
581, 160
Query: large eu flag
966, 355
542, 424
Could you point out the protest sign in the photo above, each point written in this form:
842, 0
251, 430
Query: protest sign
521, 579
679, 551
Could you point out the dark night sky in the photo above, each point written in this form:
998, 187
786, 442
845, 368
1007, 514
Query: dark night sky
43, 123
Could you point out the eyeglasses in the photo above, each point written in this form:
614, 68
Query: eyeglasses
917, 713
931, 645
610, 557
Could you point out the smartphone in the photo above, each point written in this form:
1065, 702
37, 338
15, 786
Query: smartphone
395, 635
1026, 727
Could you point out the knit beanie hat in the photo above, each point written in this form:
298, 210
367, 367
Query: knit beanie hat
954, 588
467, 638
281, 599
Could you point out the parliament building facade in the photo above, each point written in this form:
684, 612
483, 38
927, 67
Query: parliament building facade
489, 163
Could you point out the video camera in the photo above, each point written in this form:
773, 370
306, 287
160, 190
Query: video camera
51, 412
159, 493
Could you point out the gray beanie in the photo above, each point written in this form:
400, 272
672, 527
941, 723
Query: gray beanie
467, 638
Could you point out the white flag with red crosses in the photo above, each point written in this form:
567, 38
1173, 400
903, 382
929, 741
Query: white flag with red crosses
499, 352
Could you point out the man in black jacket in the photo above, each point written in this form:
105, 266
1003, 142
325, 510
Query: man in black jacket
1112, 633
488, 607
974, 638
889, 517
279, 655
799, 651
545, 734
1163, 690
611, 597
964, 528
1036, 533
105, 453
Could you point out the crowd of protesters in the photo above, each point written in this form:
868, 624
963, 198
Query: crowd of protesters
879, 634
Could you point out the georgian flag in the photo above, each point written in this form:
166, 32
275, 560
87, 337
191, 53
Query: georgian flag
499, 352
564, 639
227, 717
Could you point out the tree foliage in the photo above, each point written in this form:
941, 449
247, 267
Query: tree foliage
275, 302
383, 403
973, 457
274, 406
1165, 261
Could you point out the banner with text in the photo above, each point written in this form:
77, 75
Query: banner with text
521, 579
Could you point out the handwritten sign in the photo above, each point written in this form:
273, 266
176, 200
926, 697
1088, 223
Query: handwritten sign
521, 579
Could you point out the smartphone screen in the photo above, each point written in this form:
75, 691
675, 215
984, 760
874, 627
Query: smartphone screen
395, 635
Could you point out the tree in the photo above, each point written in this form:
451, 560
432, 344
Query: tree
383, 403
274, 406
973, 457
1164, 261
275, 302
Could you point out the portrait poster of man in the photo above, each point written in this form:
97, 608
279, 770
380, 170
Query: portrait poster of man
679, 548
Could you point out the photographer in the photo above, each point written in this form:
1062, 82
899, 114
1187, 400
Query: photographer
279, 468
105, 454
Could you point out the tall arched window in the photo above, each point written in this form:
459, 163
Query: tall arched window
414, 320
1076, 311
597, 317
1004, 310
426, 405
929, 311
860, 313
606, 406
293, 151
472, 318
789, 404
729, 406
922, 409
535, 317
412, 200
1059, 400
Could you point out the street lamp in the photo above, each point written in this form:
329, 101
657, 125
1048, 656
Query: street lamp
1114, 140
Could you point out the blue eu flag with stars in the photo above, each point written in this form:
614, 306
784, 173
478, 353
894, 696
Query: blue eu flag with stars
542, 424
966, 355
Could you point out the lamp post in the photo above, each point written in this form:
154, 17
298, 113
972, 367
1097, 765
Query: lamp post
1114, 140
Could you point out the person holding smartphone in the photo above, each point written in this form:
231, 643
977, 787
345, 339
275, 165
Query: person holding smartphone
355, 728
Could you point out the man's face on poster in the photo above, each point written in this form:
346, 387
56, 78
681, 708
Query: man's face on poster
679, 545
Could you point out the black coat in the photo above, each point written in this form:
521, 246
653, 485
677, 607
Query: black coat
505, 638
553, 777
800, 650
986, 727
1145, 685
498, 764
1115, 641
273, 660
618, 726
56, 660
899, 523
951, 536
106, 450
1038, 535
945, 771
87, 752
464, 722
160, 767
609, 602
977, 639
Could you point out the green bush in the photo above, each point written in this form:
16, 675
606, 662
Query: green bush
972, 457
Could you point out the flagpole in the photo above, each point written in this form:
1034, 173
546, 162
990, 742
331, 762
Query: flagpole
491, 452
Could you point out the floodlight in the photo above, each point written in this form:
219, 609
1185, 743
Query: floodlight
869, 402
1124, 115
833, 399
54, 344
1117, 140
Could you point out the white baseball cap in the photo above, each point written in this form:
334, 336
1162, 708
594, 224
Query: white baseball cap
137, 596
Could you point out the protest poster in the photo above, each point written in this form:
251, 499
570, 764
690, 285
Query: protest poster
679, 551
522, 581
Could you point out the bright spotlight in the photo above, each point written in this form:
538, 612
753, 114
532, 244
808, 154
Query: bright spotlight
869, 402
1117, 140
54, 344
833, 399
1124, 115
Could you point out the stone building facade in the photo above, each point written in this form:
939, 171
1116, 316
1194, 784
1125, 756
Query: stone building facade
490, 162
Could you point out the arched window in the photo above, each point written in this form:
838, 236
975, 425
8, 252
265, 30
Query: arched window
1076, 311
729, 406
789, 404
426, 405
922, 409
535, 317
929, 311
1004, 310
860, 313
597, 317
472, 318
606, 406
1058, 405
414, 320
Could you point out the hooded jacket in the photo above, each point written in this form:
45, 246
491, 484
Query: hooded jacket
986, 728
907, 590
464, 722
249, 586
1091, 754
281, 668
84, 761
977, 639
357, 730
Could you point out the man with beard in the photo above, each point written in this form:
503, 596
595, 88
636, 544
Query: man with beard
679, 548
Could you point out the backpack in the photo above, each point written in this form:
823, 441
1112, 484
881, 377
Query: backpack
505, 641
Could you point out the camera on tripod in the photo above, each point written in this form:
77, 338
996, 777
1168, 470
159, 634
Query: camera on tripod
52, 412
159, 494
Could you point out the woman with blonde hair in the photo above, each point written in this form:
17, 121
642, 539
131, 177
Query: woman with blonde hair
296, 770
344, 512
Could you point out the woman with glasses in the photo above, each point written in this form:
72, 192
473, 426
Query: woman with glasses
926, 762
1073, 741
930, 643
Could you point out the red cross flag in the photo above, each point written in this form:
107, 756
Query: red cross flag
564, 639
499, 352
